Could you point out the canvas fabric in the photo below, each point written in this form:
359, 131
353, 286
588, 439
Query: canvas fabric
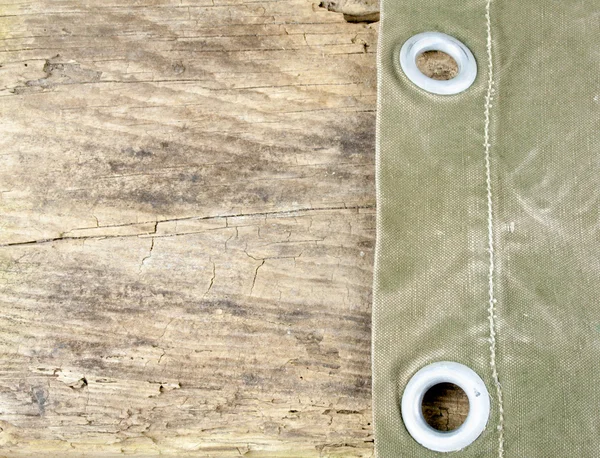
534, 113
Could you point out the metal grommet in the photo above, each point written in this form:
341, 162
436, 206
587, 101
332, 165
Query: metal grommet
436, 41
479, 406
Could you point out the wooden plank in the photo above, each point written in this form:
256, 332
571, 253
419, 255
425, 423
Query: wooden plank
246, 333
187, 229
117, 114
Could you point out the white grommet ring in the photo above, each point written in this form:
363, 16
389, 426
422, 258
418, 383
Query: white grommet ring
436, 41
479, 406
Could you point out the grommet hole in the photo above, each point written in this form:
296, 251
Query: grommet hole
437, 65
445, 406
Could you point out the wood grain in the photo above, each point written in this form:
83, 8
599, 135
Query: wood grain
214, 335
187, 229
354, 10
445, 407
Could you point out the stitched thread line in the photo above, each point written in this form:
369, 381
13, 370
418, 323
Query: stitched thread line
490, 218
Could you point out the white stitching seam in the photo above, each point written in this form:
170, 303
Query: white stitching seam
490, 217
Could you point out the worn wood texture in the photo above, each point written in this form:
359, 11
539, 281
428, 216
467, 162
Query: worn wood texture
187, 228
354, 10
445, 406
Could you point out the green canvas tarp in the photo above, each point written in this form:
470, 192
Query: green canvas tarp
488, 247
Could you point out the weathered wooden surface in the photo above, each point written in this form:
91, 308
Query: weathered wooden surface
445, 406
354, 10
246, 333
187, 227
